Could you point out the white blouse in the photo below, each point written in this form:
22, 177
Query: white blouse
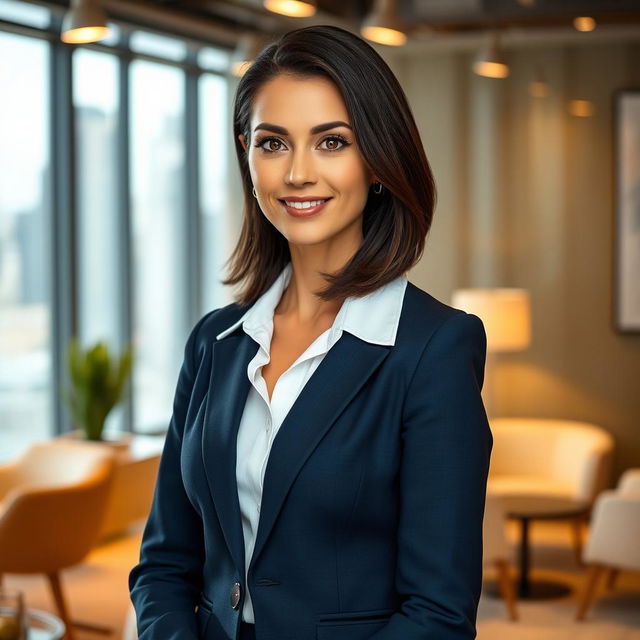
373, 318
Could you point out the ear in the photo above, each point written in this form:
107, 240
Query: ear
243, 142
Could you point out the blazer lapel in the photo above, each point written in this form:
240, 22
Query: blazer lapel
228, 389
339, 376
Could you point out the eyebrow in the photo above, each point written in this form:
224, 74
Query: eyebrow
317, 129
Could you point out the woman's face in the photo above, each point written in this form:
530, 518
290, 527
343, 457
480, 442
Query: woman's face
287, 159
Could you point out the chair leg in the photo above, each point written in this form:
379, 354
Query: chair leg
585, 600
577, 530
56, 589
612, 576
507, 588
90, 626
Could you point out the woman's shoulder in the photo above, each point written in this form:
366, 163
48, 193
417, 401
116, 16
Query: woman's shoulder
423, 314
213, 322
426, 307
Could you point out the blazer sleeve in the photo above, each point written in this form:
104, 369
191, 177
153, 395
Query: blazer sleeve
446, 448
166, 583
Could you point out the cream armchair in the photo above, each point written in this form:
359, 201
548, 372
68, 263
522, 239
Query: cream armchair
614, 539
539, 458
52, 501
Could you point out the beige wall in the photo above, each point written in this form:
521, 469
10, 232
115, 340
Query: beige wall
526, 199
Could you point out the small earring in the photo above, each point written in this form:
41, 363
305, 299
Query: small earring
255, 195
377, 190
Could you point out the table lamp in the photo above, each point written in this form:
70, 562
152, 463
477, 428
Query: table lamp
506, 315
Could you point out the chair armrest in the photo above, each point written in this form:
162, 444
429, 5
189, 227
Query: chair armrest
629, 482
589, 471
9, 478
615, 530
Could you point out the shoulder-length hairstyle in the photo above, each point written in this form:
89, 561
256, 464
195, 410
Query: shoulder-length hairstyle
395, 222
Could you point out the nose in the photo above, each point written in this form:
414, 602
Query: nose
301, 170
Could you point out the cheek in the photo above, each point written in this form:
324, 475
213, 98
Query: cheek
254, 170
349, 178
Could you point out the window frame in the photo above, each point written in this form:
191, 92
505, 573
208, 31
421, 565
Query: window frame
63, 188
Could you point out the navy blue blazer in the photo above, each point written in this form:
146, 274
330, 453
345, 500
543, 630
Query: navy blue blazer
374, 491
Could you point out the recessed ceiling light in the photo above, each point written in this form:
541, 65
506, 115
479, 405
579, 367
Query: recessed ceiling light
581, 108
584, 23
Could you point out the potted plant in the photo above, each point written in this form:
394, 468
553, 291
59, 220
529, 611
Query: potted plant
97, 381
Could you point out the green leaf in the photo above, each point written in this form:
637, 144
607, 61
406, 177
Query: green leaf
97, 381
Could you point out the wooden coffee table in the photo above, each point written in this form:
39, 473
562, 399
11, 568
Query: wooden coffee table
525, 509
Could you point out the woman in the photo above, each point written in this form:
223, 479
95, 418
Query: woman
325, 468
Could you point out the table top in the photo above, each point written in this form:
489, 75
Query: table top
543, 507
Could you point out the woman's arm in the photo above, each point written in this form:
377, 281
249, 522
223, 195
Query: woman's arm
166, 584
447, 445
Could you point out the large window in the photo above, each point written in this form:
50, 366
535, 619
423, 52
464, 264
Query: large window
101, 172
214, 142
97, 118
159, 233
26, 383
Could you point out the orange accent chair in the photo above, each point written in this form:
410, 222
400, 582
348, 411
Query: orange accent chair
53, 499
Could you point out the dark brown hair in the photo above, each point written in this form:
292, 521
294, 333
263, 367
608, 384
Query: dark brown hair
396, 222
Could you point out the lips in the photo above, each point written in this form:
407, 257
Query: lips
303, 199
306, 212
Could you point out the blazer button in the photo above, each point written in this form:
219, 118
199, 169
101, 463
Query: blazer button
235, 595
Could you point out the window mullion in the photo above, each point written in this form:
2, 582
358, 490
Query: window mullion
124, 217
63, 225
193, 221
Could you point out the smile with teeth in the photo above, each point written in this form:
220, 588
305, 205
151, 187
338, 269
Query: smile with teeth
304, 205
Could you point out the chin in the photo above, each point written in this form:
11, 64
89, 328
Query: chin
307, 239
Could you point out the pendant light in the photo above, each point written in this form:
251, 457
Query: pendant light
490, 60
84, 21
383, 25
292, 8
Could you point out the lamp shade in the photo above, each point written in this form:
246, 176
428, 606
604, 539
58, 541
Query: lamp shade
505, 313
383, 25
84, 21
490, 60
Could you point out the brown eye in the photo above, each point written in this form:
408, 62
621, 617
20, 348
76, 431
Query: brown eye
271, 141
268, 149
335, 143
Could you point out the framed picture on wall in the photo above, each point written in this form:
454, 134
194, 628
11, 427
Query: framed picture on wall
626, 253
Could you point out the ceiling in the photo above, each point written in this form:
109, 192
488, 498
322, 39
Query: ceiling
226, 20
439, 15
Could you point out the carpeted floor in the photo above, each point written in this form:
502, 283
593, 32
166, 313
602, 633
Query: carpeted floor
97, 592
